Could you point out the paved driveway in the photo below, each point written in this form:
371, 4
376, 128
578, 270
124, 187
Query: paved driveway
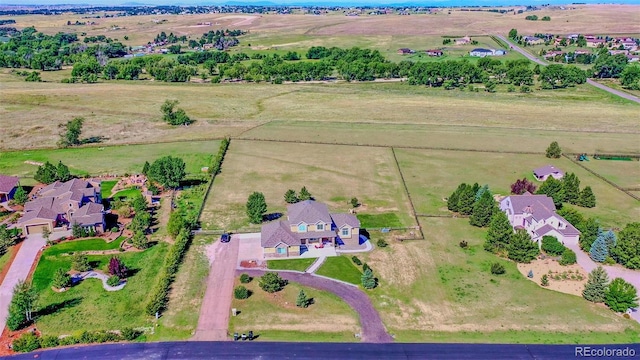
250, 248
630, 276
19, 270
373, 329
216, 306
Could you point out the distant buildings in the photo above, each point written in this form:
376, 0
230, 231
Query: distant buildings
481, 52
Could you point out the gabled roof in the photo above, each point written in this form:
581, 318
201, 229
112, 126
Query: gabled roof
540, 206
89, 214
482, 50
309, 212
7, 183
40, 213
345, 219
547, 170
277, 232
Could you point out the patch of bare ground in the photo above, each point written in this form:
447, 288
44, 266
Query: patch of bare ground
568, 279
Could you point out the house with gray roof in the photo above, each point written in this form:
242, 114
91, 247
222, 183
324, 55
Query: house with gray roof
309, 223
58, 206
537, 214
543, 173
8, 186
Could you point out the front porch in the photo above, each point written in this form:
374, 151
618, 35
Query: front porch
319, 242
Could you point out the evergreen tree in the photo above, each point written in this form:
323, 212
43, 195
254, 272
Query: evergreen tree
610, 239
589, 229
452, 201
145, 168
79, 262
571, 188
599, 251
139, 240
620, 296
481, 191
596, 285
553, 189
290, 197
521, 249
302, 300
62, 172
305, 194
554, 151
20, 197
61, 279
466, 200
483, 209
271, 282
71, 134
368, 281
256, 207
587, 198
499, 234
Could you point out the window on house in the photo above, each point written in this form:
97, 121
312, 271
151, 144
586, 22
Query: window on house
281, 250
302, 228
320, 227
345, 232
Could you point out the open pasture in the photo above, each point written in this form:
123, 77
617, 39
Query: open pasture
333, 175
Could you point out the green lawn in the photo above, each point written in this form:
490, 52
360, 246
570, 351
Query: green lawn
108, 159
128, 194
341, 268
87, 306
276, 316
290, 264
4, 259
106, 187
432, 290
385, 220
84, 245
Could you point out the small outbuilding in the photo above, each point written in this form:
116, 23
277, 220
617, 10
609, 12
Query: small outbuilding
543, 173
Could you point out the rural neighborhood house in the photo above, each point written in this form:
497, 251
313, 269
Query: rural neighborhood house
8, 185
308, 223
543, 173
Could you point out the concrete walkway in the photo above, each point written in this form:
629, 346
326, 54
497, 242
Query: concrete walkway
531, 57
367, 247
96, 275
630, 276
316, 264
18, 271
373, 329
216, 306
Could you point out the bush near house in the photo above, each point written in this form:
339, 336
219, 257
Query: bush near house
240, 292
568, 257
552, 246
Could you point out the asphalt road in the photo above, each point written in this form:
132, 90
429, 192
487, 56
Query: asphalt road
333, 351
589, 81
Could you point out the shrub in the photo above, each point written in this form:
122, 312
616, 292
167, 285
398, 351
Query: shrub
530, 274
113, 280
620, 295
626, 316
245, 278
49, 341
129, 334
79, 262
117, 267
545, 280
271, 282
61, 279
115, 229
68, 340
463, 244
27, 342
356, 260
497, 269
86, 337
568, 257
552, 246
240, 292
302, 300
355, 202
365, 267
368, 281
381, 243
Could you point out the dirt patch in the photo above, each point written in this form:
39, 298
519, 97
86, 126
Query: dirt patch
566, 279
9, 336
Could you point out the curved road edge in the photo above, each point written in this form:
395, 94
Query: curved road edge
589, 81
373, 330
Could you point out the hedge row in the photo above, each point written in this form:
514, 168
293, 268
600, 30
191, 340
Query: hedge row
30, 342
159, 296
217, 160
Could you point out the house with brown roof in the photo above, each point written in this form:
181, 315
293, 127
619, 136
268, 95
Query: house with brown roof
543, 173
8, 186
58, 206
309, 223
537, 215
434, 52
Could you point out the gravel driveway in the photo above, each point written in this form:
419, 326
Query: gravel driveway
373, 329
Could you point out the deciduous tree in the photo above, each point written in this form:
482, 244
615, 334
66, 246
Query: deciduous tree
523, 185
22, 305
627, 250
554, 151
71, 132
168, 171
620, 296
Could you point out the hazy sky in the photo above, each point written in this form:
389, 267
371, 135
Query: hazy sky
323, 2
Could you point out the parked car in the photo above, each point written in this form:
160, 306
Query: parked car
225, 238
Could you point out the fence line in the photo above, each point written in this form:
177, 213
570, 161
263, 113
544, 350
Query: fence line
601, 177
406, 189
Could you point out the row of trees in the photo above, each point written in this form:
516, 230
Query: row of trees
618, 294
49, 173
290, 197
475, 201
568, 190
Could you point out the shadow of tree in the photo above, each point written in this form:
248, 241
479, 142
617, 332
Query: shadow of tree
54, 308
272, 216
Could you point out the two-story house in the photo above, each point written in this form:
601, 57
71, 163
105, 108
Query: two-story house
537, 215
60, 205
309, 223
8, 186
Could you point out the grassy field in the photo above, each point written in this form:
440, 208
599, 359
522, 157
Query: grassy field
333, 174
4, 258
106, 187
290, 264
276, 317
180, 319
434, 291
379, 220
127, 193
431, 176
341, 268
625, 174
87, 306
108, 159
